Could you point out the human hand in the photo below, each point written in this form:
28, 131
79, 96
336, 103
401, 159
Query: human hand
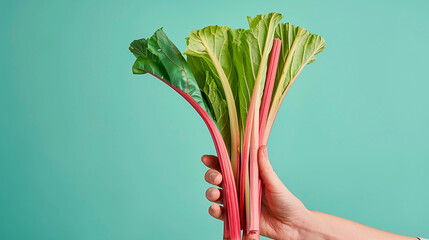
283, 216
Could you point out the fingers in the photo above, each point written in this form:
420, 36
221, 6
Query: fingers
268, 176
211, 162
213, 177
216, 211
214, 195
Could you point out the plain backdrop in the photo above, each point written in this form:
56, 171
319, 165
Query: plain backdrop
90, 151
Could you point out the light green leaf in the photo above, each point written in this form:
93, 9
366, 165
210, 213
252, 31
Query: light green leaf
299, 48
212, 45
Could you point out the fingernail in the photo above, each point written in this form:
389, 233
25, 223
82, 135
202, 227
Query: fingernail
213, 176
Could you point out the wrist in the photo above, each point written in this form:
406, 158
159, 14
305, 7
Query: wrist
313, 228
308, 226
315, 225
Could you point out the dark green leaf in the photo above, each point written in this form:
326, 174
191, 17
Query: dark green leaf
159, 56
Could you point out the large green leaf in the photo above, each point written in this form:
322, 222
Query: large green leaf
210, 49
159, 56
212, 45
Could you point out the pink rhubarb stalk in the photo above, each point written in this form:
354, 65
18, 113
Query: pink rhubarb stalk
266, 98
255, 180
250, 183
269, 85
232, 218
279, 94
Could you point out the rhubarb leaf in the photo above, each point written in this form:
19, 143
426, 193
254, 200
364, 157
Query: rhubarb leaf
146, 62
200, 69
213, 46
220, 108
246, 70
178, 71
214, 93
160, 57
299, 48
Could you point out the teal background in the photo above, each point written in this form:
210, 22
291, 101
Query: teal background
90, 151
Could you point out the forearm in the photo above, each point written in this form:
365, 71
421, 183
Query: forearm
328, 227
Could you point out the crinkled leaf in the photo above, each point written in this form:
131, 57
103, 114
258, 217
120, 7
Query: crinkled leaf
200, 68
139, 49
219, 106
146, 62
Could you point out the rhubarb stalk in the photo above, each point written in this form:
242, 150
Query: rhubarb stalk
228, 185
269, 85
266, 98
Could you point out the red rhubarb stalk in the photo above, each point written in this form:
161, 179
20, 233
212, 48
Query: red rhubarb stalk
269, 85
266, 99
279, 94
232, 218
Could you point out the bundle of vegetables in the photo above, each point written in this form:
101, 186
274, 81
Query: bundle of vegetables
236, 80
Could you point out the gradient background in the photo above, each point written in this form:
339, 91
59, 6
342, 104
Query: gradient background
90, 151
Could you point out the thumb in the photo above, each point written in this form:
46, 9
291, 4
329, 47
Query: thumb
269, 177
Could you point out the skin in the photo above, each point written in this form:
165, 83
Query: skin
283, 216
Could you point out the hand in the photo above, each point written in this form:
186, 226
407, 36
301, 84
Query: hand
283, 216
